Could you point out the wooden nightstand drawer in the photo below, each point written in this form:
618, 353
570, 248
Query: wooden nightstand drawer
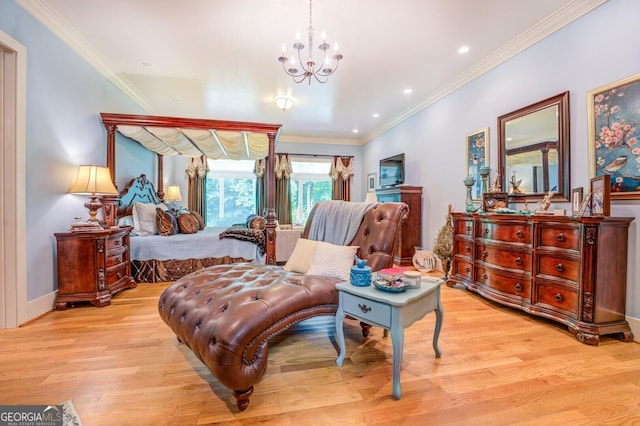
461, 268
114, 243
116, 256
367, 310
464, 247
463, 227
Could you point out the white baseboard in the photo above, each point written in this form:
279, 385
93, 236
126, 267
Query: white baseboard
634, 323
40, 306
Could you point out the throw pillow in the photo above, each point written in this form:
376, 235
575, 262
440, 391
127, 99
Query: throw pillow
144, 218
167, 222
188, 223
301, 256
331, 260
201, 223
256, 222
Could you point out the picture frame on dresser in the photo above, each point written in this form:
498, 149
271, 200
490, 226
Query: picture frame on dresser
612, 114
600, 195
576, 200
585, 204
477, 148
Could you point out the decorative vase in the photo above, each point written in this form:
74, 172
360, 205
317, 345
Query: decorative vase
484, 175
360, 273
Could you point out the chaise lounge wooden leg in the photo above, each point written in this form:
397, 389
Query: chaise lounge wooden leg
365, 329
242, 398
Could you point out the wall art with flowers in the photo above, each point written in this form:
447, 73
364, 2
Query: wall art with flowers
614, 135
477, 156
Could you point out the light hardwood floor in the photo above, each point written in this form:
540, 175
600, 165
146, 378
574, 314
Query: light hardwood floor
122, 366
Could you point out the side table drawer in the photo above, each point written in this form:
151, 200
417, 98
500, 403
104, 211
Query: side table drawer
366, 309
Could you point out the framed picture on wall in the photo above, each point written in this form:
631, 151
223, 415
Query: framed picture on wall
477, 156
576, 200
371, 182
601, 195
614, 135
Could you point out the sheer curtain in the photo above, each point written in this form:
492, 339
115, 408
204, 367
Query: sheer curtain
197, 170
341, 173
282, 171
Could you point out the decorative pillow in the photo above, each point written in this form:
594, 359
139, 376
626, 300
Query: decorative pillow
167, 222
125, 221
301, 256
201, 223
256, 222
188, 223
144, 218
330, 260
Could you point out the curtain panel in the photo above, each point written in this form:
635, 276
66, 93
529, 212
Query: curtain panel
197, 169
341, 173
282, 171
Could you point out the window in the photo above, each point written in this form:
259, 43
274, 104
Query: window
231, 192
310, 183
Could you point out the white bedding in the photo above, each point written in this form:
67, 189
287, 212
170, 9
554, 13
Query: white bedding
201, 245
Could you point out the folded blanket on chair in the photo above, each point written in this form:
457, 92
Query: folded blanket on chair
255, 236
337, 222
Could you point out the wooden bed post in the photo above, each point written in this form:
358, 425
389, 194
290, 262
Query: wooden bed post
110, 202
271, 201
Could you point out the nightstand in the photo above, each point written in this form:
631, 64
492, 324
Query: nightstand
93, 266
391, 311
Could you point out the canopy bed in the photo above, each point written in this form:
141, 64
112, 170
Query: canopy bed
197, 139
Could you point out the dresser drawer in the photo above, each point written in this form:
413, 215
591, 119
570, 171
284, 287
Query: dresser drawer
463, 227
513, 284
564, 237
461, 269
115, 273
558, 266
559, 298
116, 256
463, 247
114, 242
507, 258
507, 232
365, 309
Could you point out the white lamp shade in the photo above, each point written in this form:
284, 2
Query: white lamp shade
371, 197
93, 180
173, 193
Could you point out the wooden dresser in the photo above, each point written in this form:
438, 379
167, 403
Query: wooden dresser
93, 266
571, 270
411, 230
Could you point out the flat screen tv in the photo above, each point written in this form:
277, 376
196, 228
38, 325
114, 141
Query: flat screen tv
392, 171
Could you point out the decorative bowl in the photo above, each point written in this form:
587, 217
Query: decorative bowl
390, 286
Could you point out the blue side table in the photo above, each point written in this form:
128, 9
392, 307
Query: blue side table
391, 311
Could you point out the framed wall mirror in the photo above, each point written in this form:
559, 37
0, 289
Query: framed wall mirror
533, 150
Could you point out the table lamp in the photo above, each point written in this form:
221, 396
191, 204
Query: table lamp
93, 181
173, 193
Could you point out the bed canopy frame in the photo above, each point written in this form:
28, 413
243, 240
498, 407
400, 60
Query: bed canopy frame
194, 138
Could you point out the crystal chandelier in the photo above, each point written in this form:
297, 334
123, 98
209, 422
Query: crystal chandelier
324, 69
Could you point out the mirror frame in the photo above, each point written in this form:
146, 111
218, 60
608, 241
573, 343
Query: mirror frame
562, 101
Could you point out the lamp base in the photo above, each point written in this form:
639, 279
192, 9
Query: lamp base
93, 205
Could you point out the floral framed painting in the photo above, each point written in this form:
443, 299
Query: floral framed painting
477, 156
614, 117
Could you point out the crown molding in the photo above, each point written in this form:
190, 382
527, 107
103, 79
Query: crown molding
43, 12
319, 140
552, 23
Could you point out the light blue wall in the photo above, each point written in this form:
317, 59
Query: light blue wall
64, 97
595, 50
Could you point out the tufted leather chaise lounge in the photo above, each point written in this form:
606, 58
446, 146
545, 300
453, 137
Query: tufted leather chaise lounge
226, 314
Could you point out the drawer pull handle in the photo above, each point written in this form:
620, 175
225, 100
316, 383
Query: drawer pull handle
485, 276
486, 231
518, 261
119, 275
468, 248
561, 238
468, 229
117, 243
117, 259
559, 267
558, 297
518, 287
484, 253
467, 269
364, 308
520, 234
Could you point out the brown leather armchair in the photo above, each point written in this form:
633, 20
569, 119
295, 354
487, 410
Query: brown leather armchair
226, 314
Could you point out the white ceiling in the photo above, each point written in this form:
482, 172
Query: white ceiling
218, 58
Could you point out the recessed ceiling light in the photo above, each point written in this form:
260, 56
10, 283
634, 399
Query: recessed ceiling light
375, 115
407, 91
355, 130
147, 64
463, 49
